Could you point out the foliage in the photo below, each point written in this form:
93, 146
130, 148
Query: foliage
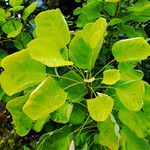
79, 89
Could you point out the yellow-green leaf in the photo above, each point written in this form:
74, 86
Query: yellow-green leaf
111, 76
20, 72
47, 52
100, 107
45, 99
131, 49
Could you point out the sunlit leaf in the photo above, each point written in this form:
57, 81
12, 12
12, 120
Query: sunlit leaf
86, 45
111, 76
100, 107
131, 49
45, 99
47, 52
20, 72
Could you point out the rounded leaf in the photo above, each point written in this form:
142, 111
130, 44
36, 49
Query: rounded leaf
100, 107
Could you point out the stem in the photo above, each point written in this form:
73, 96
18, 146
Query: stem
104, 67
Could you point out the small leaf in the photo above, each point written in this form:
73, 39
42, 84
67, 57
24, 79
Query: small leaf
38, 125
100, 107
16, 8
15, 2
12, 28
29, 10
111, 76
138, 122
47, 52
112, 1
20, 72
2, 16
109, 133
130, 141
128, 72
21, 121
131, 49
45, 99
131, 94
22, 40
62, 115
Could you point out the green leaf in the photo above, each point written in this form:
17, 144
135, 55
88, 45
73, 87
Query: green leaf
38, 125
86, 45
138, 122
77, 92
45, 99
47, 52
109, 133
130, 141
78, 114
21, 121
112, 1
29, 10
16, 8
2, 16
62, 115
131, 94
146, 99
132, 32
58, 140
115, 21
111, 76
20, 72
127, 71
100, 107
140, 12
51, 24
12, 28
22, 40
3, 54
131, 49
15, 2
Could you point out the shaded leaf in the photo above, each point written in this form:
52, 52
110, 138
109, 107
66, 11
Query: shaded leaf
62, 115
28, 10
21, 121
109, 133
138, 122
130, 141
22, 40
12, 28
131, 94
